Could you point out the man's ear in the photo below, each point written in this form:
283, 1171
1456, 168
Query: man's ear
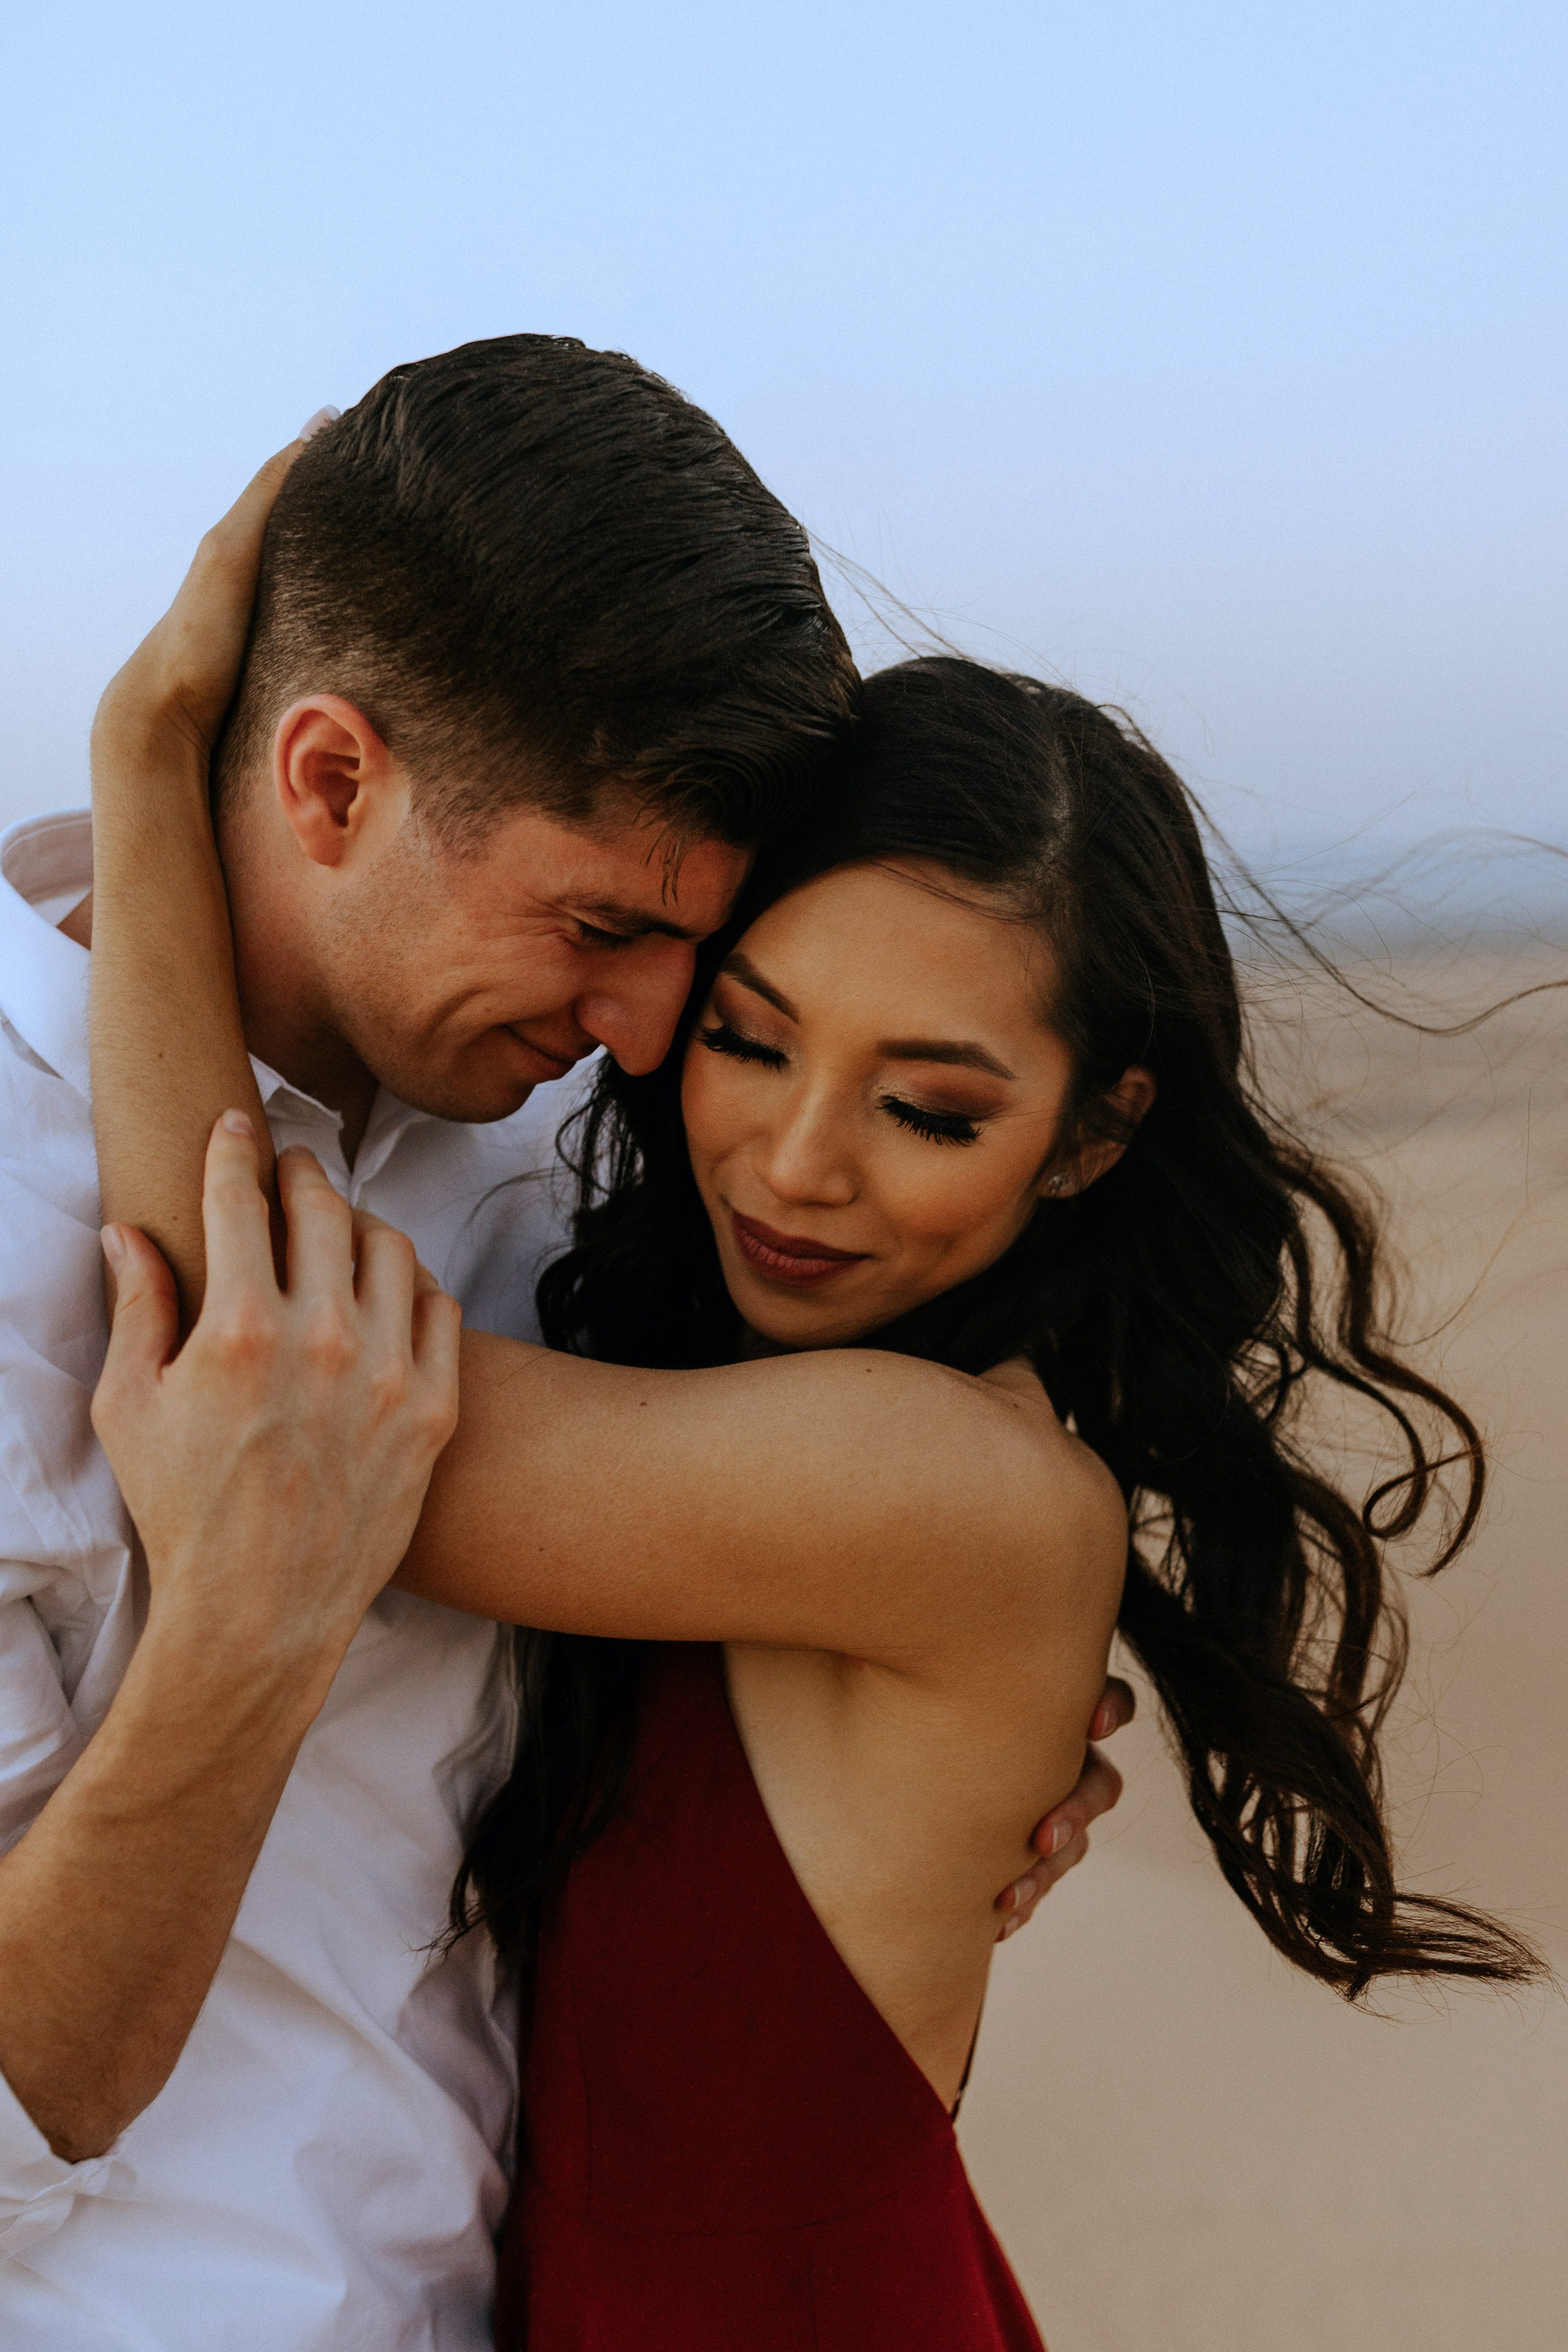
1131, 1096
331, 771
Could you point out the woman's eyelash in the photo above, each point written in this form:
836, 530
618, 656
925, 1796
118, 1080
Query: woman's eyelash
936, 1126
721, 1039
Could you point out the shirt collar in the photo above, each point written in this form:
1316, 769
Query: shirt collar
43, 975
278, 1093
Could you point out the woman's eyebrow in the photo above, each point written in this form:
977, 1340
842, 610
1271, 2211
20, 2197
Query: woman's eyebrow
961, 1053
740, 967
966, 1055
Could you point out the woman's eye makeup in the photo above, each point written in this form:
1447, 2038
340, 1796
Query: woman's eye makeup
720, 1038
936, 1126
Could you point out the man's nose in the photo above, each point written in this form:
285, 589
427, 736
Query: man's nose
633, 1011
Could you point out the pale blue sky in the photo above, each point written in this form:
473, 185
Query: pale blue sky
1210, 355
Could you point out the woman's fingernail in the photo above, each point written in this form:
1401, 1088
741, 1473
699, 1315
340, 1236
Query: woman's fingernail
113, 1242
312, 424
238, 1124
1062, 1836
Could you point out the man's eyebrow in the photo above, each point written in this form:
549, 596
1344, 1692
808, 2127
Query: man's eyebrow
740, 967
633, 920
964, 1056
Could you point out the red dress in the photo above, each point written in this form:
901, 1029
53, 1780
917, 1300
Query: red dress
727, 2149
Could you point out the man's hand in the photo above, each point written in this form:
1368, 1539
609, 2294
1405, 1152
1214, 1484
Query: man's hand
275, 1468
1061, 1839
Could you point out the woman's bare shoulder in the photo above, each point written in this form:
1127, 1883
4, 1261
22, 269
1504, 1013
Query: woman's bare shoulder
1062, 1503
1017, 1387
986, 1424
1007, 1484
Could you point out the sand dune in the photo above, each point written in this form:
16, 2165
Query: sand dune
1187, 2147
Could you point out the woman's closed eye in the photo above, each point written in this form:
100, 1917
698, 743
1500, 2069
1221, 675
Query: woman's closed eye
936, 1126
720, 1038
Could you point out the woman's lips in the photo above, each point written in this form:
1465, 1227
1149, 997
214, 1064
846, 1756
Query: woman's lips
792, 1258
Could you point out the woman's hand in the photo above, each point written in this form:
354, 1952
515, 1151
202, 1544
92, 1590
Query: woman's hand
177, 685
275, 1468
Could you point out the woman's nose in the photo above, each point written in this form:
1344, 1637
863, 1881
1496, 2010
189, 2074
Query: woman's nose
804, 1158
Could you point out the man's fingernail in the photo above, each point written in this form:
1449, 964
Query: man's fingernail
312, 424
1062, 1836
113, 1242
238, 1124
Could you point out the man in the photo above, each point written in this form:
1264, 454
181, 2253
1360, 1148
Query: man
536, 664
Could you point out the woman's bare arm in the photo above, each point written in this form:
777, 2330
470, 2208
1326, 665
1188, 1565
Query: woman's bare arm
855, 1501
848, 1500
161, 938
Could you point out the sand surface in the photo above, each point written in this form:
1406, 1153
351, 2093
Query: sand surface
1186, 2147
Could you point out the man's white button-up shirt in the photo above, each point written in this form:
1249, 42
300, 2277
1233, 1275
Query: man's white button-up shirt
325, 2167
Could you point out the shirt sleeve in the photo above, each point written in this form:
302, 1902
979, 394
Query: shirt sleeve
38, 1744
39, 1740
37, 2187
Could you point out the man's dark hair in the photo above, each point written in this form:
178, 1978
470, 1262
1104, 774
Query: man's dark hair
541, 572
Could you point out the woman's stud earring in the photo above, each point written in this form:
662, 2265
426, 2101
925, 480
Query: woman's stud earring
1056, 1183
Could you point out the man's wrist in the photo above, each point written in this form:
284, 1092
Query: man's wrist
214, 1688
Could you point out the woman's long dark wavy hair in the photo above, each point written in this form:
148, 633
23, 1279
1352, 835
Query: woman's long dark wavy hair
1177, 1310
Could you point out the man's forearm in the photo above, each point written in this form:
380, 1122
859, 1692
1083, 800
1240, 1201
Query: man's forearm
116, 1906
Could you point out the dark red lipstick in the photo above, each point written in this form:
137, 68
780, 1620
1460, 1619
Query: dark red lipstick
792, 1258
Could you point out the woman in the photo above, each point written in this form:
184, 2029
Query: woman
950, 1235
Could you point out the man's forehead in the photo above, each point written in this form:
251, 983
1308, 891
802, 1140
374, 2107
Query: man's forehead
639, 871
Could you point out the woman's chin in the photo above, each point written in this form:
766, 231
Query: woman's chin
787, 1319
